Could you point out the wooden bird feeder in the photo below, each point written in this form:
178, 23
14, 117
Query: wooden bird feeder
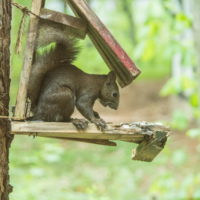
150, 137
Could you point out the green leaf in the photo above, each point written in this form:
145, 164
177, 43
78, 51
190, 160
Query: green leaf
187, 83
194, 100
196, 113
179, 157
193, 133
180, 120
149, 51
45, 49
171, 87
155, 27
183, 18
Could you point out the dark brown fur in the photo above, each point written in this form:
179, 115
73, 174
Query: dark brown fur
56, 87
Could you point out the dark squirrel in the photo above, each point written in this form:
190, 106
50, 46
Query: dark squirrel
56, 86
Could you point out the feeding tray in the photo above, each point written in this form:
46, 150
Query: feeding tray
150, 137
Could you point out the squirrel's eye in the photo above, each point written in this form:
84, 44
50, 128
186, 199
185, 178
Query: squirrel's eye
108, 83
115, 94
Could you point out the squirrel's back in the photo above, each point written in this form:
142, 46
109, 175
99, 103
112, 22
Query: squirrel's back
75, 79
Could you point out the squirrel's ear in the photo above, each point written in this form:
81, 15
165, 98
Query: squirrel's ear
111, 76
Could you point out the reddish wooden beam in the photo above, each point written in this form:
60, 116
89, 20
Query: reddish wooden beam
101, 35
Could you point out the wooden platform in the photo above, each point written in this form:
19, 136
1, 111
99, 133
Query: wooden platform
151, 137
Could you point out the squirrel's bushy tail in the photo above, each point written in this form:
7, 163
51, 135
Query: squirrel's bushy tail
53, 49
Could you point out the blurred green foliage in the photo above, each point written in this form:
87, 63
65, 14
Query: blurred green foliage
151, 32
50, 169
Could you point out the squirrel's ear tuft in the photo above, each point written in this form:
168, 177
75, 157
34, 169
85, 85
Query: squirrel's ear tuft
111, 76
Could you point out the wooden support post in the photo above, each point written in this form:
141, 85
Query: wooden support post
20, 109
77, 25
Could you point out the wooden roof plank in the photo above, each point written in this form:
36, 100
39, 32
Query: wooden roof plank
78, 25
99, 33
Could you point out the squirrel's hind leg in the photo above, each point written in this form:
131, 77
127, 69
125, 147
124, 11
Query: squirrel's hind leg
55, 105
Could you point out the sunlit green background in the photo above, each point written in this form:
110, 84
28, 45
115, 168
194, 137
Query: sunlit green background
158, 36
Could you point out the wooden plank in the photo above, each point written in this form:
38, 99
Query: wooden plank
124, 77
67, 130
82, 9
151, 137
149, 149
107, 60
20, 109
77, 25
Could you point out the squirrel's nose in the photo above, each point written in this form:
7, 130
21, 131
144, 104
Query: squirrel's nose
113, 106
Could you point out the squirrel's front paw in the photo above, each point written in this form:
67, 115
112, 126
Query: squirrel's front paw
96, 114
80, 124
100, 123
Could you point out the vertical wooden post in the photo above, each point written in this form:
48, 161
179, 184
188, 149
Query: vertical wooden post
5, 137
20, 109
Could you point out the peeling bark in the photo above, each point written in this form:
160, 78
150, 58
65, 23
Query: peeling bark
5, 137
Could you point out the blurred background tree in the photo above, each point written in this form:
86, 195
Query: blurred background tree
162, 37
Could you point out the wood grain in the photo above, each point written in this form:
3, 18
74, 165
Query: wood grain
127, 132
67, 130
20, 109
151, 137
77, 25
